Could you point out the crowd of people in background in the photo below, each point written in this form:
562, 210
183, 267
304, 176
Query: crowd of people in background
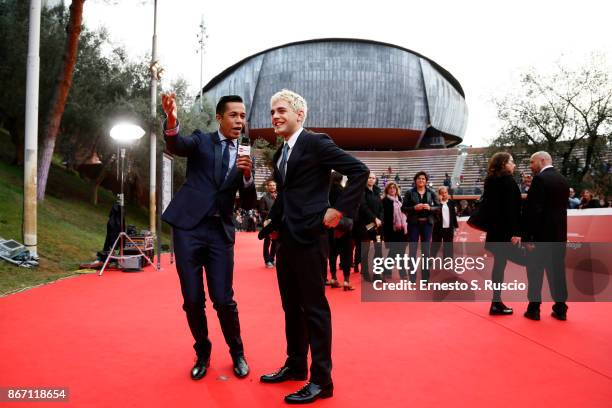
424, 215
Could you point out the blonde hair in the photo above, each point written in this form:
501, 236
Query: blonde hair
392, 184
296, 102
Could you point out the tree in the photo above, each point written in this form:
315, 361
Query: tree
13, 53
60, 95
568, 113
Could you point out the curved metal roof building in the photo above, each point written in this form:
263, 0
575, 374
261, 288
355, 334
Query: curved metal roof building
364, 94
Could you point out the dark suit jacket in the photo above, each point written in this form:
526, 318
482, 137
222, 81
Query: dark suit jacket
452, 213
304, 196
265, 204
370, 208
412, 198
546, 208
201, 196
503, 207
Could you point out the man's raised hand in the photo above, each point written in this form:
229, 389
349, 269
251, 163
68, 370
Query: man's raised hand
169, 106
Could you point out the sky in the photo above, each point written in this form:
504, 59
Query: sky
486, 45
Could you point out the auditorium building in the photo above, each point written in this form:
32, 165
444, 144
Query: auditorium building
395, 109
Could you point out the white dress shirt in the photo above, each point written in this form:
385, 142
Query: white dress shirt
445, 215
291, 142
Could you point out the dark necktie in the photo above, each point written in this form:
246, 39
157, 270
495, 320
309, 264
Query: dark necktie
225, 159
283, 164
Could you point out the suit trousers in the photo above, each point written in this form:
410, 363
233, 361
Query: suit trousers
442, 237
269, 249
423, 231
206, 246
549, 257
340, 247
299, 269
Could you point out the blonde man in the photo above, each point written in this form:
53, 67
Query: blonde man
300, 215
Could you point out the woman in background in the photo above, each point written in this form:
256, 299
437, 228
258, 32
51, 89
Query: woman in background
419, 205
503, 207
395, 228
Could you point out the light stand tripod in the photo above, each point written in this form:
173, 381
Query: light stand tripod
122, 235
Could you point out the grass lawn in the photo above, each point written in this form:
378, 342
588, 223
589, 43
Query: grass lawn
70, 229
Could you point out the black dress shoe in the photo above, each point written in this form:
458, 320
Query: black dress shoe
498, 309
310, 393
284, 374
532, 314
559, 315
559, 311
199, 369
241, 368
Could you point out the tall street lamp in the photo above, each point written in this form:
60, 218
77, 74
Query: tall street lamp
124, 134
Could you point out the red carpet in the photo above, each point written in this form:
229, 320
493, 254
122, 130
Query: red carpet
122, 340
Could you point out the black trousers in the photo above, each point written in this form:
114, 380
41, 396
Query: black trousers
340, 247
549, 257
269, 249
365, 256
504, 252
299, 269
442, 237
206, 247
356, 244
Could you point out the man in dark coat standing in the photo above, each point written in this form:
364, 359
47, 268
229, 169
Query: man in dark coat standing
201, 219
546, 227
301, 214
444, 225
265, 204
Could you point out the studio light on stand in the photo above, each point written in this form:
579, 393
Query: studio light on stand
124, 134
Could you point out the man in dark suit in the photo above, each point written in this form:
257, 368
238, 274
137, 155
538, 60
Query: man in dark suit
265, 204
444, 225
201, 219
546, 228
301, 212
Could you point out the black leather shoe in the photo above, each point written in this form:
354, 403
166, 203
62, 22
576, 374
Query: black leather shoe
532, 314
559, 316
241, 368
199, 369
499, 309
310, 393
559, 311
284, 374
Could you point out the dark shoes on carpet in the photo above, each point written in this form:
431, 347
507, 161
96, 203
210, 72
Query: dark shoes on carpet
533, 311
241, 368
199, 369
499, 309
310, 393
285, 374
559, 311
